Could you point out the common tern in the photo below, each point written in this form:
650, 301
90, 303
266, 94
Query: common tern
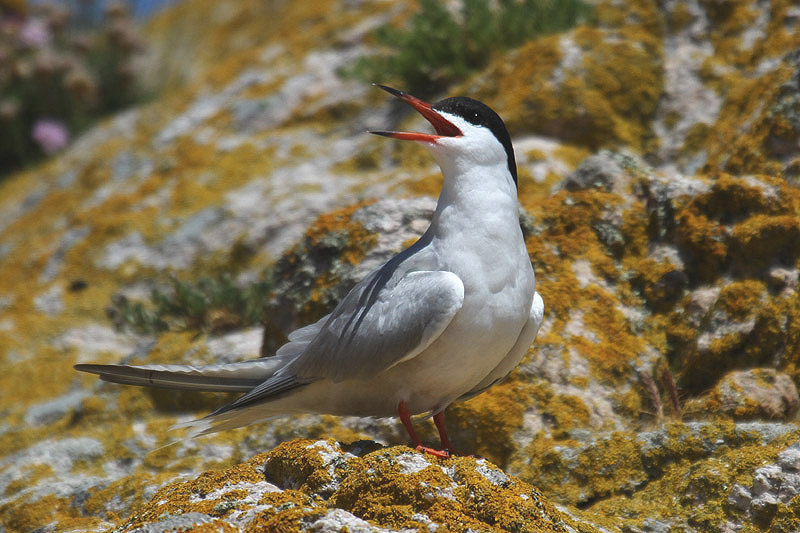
440, 322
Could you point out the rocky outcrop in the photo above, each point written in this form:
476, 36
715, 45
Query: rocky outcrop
307, 485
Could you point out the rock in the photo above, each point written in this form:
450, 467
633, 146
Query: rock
730, 326
51, 301
752, 394
599, 171
318, 486
625, 463
775, 488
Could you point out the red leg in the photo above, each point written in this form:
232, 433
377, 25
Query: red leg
405, 418
438, 419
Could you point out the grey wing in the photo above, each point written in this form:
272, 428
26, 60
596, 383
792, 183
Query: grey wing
377, 327
379, 324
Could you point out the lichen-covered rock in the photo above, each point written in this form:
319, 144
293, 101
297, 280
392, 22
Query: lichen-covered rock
774, 493
658, 169
589, 467
307, 485
751, 394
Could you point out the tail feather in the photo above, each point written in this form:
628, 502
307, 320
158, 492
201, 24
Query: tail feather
229, 377
213, 423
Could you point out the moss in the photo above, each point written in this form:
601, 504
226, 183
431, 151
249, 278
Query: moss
679, 18
568, 412
787, 517
675, 473
570, 154
753, 129
367, 159
731, 198
292, 465
359, 240
766, 396
751, 150
20, 517
611, 465
704, 485
392, 498
28, 384
177, 498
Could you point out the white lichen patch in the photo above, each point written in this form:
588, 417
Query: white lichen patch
55, 409
255, 491
51, 301
411, 463
336, 520
59, 456
491, 474
540, 168
333, 458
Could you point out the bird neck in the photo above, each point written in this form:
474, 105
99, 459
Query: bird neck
475, 199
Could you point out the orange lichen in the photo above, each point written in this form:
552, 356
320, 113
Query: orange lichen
359, 240
588, 106
753, 149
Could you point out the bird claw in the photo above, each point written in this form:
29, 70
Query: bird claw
442, 454
445, 453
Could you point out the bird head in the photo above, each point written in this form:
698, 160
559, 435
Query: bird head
468, 132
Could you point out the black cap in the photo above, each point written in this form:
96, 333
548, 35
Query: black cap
480, 114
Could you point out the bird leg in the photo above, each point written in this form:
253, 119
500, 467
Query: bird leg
438, 419
405, 418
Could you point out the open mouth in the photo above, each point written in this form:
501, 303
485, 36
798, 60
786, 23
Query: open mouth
443, 127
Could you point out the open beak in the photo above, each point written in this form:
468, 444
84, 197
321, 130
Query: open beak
443, 127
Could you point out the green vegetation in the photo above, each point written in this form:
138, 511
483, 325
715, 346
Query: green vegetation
440, 46
209, 304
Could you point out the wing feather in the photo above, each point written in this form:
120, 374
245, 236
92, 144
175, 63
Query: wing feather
377, 328
374, 328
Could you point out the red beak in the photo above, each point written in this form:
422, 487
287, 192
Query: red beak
443, 127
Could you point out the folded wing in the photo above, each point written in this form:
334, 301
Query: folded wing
375, 327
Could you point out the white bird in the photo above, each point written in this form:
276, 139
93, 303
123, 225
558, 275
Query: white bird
441, 321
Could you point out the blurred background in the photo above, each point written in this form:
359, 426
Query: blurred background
63, 65
66, 64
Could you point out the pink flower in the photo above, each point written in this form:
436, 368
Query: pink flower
34, 33
50, 135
